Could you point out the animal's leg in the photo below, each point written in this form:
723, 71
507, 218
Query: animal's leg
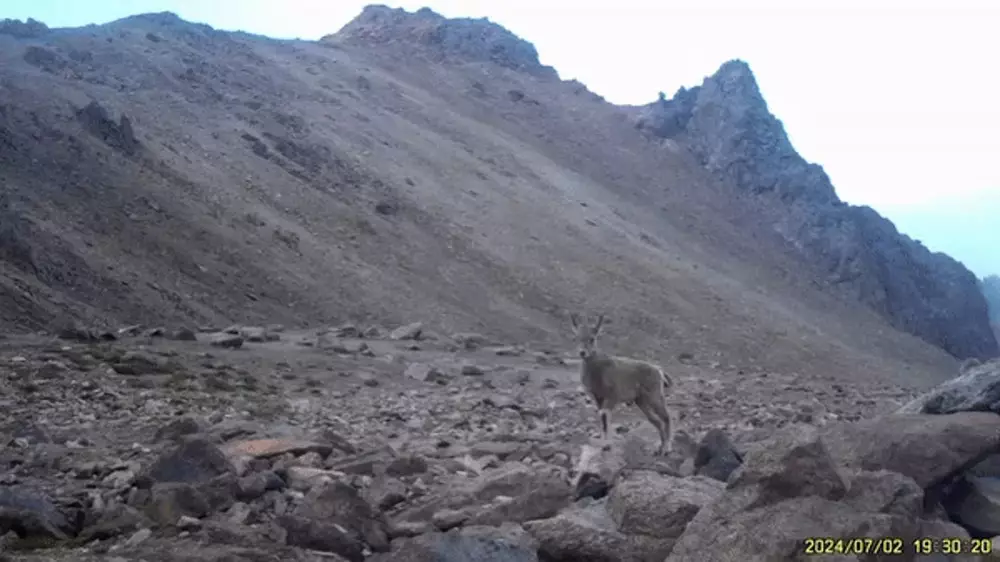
605, 414
657, 413
647, 410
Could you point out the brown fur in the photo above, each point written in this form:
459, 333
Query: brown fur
611, 381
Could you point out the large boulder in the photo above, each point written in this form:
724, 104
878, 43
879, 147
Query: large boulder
927, 448
716, 456
659, 505
338, 505
513, 493
977, 389
790, 488
975, 503
30, 512
587, 531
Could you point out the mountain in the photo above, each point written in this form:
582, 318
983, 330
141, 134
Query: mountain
961, 226
726, 125
415, 168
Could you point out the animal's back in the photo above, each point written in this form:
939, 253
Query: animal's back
650, 377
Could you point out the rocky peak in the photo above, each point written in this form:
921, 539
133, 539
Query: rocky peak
728, 126
30, 29
735, 78
456, 39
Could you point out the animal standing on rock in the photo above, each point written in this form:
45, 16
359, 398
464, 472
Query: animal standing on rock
611, 381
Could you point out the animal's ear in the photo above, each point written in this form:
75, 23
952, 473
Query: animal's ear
574, 321
600, 322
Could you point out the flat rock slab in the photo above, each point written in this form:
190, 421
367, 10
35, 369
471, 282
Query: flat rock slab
267, 448
927, 448
977, 390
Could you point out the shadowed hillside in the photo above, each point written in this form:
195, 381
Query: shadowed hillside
408, 167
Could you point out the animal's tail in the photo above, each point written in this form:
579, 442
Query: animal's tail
667, 381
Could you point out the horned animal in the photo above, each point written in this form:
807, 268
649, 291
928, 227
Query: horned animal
611, 381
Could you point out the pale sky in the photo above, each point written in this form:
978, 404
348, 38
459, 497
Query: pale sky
897, 100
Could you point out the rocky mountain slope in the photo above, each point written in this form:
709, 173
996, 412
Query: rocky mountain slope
725, 123
408, 167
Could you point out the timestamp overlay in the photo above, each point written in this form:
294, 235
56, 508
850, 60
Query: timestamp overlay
889, 546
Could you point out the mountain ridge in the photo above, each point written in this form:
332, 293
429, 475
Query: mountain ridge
929, 294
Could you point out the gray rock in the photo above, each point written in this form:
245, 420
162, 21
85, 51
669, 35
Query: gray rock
31, 513
794, 463
178, 428
184, 334
407, 465
775, 532
171, 501
513, 493
977, 390
257, 334
546, 496
927, 448
227, 341
657, 505
480, 546
193, 461
367, 462
716, 456
975, 503
883, 491
141, 363
596, 470
314, 534
425, 373
587, 532
255, 485
340, 504
470, 340
386, 493
408, 332
115, 521
471, 370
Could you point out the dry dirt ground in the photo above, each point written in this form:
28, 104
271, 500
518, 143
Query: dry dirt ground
86, 419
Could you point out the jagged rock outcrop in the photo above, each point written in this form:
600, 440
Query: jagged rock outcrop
465, 39
95, 119
727, 125
30, 29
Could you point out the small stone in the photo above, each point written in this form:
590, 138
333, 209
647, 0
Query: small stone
138, 537
408, 332
188, 523
472, 370
227, 341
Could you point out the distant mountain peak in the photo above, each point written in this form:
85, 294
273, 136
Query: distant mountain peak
456, 39
726, 123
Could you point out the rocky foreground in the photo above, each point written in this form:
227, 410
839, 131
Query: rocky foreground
358, 443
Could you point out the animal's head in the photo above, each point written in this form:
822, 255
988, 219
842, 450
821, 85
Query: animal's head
586, 335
